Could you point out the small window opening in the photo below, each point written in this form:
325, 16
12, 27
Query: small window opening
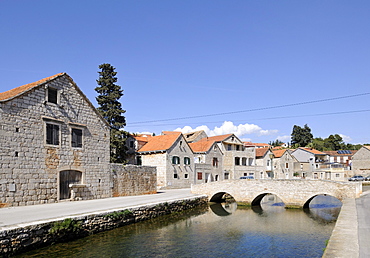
16, 154
17, 129
52, 95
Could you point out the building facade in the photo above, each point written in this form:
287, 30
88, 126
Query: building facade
51, 138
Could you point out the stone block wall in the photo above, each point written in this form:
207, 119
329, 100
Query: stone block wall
29, 167
18, 240
133, 180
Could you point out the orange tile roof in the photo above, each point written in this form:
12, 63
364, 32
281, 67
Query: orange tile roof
256, 144
160, 142
7, 95
313, 151
335, 153
278, 153
218, 138
260, 152
201, 146
169, 132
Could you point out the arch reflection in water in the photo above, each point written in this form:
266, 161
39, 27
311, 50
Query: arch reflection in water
223, 209
267, 202
323, 208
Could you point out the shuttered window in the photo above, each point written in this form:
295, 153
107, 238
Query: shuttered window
76, 138
52, 134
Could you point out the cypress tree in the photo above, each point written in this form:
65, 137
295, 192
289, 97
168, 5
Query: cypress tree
110, 108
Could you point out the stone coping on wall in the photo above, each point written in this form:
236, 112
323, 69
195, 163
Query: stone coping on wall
344, 240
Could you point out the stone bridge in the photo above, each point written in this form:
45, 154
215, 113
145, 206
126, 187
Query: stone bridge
294, 193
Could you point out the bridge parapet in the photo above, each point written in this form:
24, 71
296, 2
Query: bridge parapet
293, 192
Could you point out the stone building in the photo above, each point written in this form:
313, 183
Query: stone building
208, 159
238, 160
361, 161
51, 138
284, 164
172, 156
264, 162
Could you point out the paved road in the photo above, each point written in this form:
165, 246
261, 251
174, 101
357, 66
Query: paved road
363, 218
14, 217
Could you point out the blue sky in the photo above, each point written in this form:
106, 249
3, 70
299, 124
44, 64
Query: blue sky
180, 61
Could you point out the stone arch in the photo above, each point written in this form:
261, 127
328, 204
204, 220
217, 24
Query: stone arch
306, 205
257, 199
217, 197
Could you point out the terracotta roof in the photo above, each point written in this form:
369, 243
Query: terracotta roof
278, 153
201, 146
256, 144
10, 94
313, 151
141, 138
261, 152
218, 138
160, 142
335, 153
169, 132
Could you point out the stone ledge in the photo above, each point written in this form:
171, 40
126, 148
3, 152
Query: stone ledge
344, 240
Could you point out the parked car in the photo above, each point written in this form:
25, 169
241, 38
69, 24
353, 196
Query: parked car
247, 177
356, 178
367, 178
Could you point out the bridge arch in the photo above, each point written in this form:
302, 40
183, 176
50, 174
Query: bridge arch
258, 198
306, 205
218, 197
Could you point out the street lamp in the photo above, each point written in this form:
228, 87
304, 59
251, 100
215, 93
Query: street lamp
271, 155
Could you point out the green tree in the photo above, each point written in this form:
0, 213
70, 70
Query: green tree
110, 108
317, 143
301, 137
276, 143
334, 142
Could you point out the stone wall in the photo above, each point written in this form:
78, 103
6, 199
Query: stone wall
23, 239
361, 162
133, 180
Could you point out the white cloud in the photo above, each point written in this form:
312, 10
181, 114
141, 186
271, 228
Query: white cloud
228, 127
284, 138
346, 138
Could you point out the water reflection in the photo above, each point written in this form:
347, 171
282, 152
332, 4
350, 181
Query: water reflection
223, 230
223, 209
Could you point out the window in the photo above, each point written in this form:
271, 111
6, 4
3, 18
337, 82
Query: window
200, 175
175, 160
175, 175
237, 147
286, 165
229, 147
215, 162
244, 161
226, 175
52, 95
138, 160
76, 138
186, 176
52, 134
337, 175
187, 161
237, 161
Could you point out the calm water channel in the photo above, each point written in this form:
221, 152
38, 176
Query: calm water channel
219, 230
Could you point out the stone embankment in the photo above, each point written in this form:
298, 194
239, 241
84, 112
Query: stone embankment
30, 237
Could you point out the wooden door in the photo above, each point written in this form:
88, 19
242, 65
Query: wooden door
66, 178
